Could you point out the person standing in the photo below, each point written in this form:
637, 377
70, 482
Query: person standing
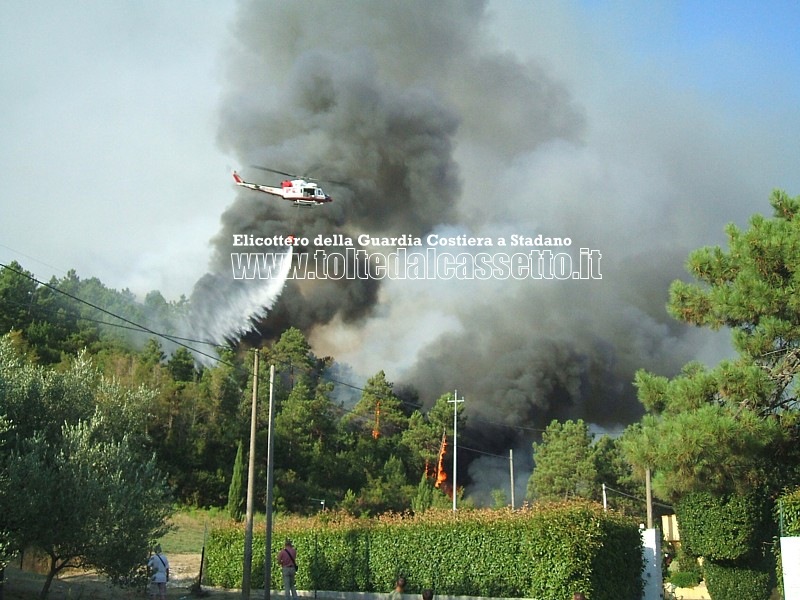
399, 587
159, 567
287, 559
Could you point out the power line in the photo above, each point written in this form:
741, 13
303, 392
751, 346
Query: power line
32, 258
184, 342
129, 324
111, 314
621, 493
476, 451
134, 326
79, 317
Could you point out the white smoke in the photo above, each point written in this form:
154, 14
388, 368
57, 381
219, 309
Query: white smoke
225, 309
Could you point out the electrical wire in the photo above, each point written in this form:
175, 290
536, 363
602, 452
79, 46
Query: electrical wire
621, 493
129, 324
111, 314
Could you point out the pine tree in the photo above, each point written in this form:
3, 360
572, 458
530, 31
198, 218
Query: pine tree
723, 439
235, 505
565, 465
731, 428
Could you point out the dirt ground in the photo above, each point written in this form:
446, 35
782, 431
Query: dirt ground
184, 568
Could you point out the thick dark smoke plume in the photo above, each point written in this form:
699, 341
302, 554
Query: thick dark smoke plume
373, 95
436, 129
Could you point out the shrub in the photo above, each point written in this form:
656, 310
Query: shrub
726, 581
546, 552
726, 528
787, 513
685, 579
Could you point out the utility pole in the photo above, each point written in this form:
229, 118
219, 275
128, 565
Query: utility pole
605, 499
511, 468
251, 469
455, 402
270, 469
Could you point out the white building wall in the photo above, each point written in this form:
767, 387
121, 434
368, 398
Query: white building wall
790, 559
651, 551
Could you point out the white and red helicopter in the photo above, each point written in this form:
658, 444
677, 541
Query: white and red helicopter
295, 189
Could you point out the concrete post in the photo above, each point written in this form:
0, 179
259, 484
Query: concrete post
651, 551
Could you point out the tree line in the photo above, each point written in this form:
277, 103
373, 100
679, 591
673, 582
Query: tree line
372, 454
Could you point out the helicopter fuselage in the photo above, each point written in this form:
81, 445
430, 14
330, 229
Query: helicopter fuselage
299, 191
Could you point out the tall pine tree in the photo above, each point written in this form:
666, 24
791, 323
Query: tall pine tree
235, 507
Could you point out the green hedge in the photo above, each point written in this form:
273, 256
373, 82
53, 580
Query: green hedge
724, 528
733, 534
546, 552
728, 581
787, 515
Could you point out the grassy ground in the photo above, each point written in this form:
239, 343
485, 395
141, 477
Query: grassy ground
188, 529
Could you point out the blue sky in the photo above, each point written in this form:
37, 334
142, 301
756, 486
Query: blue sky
727, 47
735, 49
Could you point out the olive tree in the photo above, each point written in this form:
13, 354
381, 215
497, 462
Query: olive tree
86, 502
79, 483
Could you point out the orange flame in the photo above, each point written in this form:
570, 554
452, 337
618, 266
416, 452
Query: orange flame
441, 476
376, 431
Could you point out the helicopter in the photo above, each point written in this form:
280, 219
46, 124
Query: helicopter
296, 189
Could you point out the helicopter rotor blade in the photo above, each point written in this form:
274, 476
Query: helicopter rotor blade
320, 168
333, 182
305, 177
276, 171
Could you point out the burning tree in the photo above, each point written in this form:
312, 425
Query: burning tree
441, 474
428, 435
